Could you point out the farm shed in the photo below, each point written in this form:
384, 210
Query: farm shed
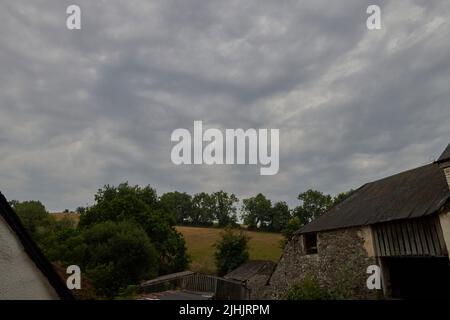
400, 223
254, 275
25, 272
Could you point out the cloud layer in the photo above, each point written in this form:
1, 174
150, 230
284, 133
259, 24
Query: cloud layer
80, 109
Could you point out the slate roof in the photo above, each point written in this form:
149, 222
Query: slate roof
250, 269
33, 250
410, 194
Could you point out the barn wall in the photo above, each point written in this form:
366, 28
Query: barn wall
19, 276
342, 260
445, 225
447, 175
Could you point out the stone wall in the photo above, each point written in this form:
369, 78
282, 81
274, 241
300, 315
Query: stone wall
258, 286
341, 262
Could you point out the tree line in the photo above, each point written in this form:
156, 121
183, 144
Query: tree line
129, 235
258, 213
123, 238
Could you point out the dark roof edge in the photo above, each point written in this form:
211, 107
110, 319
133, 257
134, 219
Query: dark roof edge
300, 232
445, 156
33, 250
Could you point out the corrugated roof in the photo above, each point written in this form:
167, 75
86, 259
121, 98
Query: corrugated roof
251, 268
410, 194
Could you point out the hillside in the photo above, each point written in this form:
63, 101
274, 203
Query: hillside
199, 241
263, 245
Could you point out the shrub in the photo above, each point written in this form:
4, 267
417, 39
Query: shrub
306, 289
34, 217
133, 203
117, 255
231, 250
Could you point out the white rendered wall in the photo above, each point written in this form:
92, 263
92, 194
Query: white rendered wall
20, 278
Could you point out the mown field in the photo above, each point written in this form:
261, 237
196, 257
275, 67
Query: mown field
200, 241
72, 216
263, 245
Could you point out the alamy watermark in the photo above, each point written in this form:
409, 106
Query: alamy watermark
234, 146
374, 280
73, 21
74, 279
373, 22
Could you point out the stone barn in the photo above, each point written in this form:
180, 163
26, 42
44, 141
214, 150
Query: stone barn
400, 224
254, 275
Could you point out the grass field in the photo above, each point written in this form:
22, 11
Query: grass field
72, 216
199, 241
263, 245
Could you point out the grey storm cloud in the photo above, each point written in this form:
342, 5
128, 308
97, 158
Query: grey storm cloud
81, 109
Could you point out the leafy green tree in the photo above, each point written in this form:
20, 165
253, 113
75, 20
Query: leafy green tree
257, 212
292, 226
113, 255
341, 197
34, 217
280, 216
203, 209
80, 210
231, 250
66, 245
314, 204
178, 204
117, 255
133, 203
225, 208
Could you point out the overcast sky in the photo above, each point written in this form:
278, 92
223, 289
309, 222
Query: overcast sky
81, 109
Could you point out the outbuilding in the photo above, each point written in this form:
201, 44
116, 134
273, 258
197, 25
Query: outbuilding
400, 224
254, 275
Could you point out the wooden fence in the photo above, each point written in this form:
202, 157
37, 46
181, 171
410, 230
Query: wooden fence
223, 289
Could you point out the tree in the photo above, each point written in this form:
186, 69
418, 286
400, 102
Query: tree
119, 254
224, 208
139, 205
178, 204
80, 210
113, 255
231, 250
34, 217
203, 209
341, 197
288, 231
257, 212
280, 216
314, 204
